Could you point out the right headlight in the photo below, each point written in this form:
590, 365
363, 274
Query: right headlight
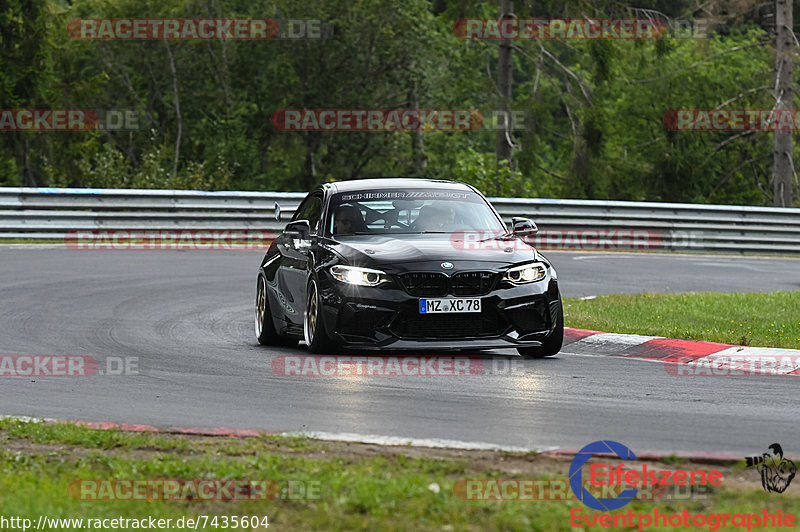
527, 273
359, 276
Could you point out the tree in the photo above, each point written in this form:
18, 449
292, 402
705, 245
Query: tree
505, 65
783, 167
25, 71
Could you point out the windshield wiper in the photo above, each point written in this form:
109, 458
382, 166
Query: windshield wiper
418, 233
505, 236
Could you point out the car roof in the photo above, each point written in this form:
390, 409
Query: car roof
384, 183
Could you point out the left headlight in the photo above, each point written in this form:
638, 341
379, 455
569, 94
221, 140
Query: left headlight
359, 276
527, 273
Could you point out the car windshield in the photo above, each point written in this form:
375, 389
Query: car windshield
380, 212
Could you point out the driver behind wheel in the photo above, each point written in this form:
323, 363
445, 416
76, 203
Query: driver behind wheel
347, 221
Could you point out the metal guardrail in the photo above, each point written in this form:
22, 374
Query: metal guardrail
52, 213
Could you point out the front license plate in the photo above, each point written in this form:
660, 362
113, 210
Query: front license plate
445, 306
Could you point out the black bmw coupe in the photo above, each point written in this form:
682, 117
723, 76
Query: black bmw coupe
406, 264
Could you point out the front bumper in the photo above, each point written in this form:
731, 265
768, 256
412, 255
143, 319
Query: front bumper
387, 316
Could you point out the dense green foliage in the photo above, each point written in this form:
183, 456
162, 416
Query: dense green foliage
593, 110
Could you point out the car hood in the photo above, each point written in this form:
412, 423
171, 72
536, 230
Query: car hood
381, 250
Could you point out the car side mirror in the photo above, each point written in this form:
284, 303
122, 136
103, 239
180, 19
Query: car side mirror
298, 232
524, 226
298, 229
277, 212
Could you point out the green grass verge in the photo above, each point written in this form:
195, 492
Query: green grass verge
765, 319
361, 487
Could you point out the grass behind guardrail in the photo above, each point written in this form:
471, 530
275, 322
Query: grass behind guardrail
764, 319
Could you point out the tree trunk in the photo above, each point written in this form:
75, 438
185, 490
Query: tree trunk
312, 145
418, 157
504, 79
782, 168
177, 105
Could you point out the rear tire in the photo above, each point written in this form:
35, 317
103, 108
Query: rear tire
552, 344
265, 328
316, 335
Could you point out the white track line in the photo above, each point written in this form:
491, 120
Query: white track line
416, 442
367, 438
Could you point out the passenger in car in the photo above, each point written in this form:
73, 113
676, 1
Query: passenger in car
433, 218
428, 219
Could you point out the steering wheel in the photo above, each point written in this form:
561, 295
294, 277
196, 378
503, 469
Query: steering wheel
394, 225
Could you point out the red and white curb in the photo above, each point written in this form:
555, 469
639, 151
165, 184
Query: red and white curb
687, 357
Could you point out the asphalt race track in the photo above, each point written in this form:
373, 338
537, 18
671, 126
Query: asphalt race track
187, 316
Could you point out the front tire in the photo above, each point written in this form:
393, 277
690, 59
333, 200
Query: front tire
265, 328
552, 344
316, 335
